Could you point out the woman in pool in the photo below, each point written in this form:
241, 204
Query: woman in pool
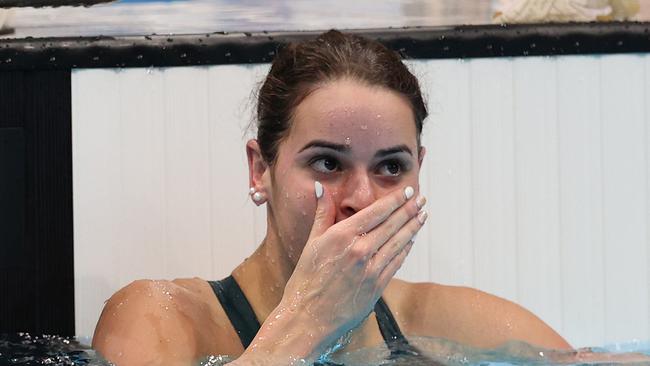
336, 162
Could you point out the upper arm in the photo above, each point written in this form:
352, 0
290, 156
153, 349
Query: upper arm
143, 325
477, 318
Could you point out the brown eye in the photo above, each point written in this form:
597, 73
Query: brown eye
325, 165
391, 168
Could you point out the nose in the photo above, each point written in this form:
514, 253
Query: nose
356, 193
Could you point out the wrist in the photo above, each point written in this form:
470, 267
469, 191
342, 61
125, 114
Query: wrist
289, 337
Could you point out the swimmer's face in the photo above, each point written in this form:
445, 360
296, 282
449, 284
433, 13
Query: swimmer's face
359, 141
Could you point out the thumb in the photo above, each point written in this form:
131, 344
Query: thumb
325, 213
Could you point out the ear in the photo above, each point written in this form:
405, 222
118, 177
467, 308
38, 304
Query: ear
422, 151
257, 169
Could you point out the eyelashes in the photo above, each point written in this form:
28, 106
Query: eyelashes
391, 167
325, 164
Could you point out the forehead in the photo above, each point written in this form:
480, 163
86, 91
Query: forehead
346, 111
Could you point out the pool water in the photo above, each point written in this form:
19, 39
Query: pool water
23, 349
27, 350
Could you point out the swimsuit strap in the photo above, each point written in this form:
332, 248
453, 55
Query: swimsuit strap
237, 308
395, 340
243, 318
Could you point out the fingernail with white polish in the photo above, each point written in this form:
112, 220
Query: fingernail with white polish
408, 192
318, 189
422, 217
420, 201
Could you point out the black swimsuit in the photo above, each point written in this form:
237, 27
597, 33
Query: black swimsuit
245, 322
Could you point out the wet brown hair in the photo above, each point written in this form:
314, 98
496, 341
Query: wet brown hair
299, 68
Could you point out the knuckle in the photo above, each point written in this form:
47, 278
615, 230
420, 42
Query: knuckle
412, 210
358, 254
337, 234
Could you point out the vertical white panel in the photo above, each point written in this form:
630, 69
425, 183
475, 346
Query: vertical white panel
533, 195
448, 159
493, 178
646, 113
581, 240
142, 184
96, 182
155, 168
416, 267
538, 248
234, 233
624, 197
186, 166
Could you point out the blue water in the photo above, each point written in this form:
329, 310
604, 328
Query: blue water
28, 350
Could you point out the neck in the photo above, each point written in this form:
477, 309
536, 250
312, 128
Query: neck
264, 275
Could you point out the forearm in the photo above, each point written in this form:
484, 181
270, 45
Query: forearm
287, 338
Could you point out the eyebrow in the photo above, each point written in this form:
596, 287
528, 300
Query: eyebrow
327, 145
345, 148
393, 150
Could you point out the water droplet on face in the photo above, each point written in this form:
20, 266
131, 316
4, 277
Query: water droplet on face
379, 116
348, 141
364, 127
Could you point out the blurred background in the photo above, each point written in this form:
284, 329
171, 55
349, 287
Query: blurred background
137, 17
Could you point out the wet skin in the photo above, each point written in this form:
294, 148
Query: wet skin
360, 142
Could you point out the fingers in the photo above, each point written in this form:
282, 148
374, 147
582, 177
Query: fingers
325, 211
396, 244
394, 224
393, 266
370, 217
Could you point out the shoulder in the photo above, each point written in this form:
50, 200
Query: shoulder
470, 316
161, 322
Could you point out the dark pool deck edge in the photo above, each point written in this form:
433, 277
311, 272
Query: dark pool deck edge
474, 41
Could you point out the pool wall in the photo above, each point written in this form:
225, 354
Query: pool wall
536, 171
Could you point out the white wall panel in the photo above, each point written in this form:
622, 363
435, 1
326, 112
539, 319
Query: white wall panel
448, 159
493, 176
535, 175
624, 197
536, 188
580, 192
230, 114
417, 266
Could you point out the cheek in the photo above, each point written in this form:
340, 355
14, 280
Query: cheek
297, 208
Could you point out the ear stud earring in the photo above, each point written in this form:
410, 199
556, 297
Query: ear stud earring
256, 196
